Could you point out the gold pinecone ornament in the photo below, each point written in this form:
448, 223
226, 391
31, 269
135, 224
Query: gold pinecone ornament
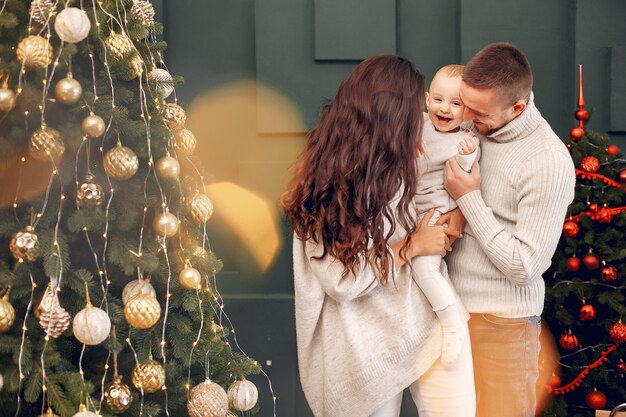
34, 52
143, 11
53, 318
200, 208
142, 311
42, 10
117, 396
46, 143
89, 194
24, 245
121, 162
207, 399
7, 312
149, 376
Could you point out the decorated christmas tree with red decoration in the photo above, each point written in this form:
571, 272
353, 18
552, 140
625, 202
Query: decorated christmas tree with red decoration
585, 287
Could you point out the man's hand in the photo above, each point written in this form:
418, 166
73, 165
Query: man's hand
458, 182
455, 221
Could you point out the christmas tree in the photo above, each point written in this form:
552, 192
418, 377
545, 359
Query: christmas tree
585, 287
108, 284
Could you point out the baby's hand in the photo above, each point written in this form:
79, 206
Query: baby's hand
467, 145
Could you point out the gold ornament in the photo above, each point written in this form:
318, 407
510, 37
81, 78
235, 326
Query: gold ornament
168, 168
68, 90
142, 311
243, 395
161, 81
46, 143
149, 376
121, 162
53, 318
207, 399
72, 25
143, 12
93, 126
185, 141
138, 286
136, 68
117, 396
34, 52
48, 413
84, 412
7, 99
165, 224
7, 312
42, 10
174, 116
24, 245
89, 194
190, 278
119, 45
200, 208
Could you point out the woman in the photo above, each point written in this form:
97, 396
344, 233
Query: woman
364, 329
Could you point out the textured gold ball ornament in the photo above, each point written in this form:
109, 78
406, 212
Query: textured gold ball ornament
119, 45
24, 245
165, 224
207, 399
34, 52
168, 168
7, 313
42, 10
72, 25
121, 162
142, 311
46, 143
190, 278
200, 208
185, 141
149, 376
68, 90
89, 194
84, 412
117, 396
161, 81
243, 395
93, 126
138, 286
92, 325
174, 116
7, 99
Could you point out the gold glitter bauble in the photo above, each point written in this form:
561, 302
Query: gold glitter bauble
138, 286
93, 126
168, 168
185, 141
7, 99
150, 376
165, 224
89, 194
42, 10
24, 245
34, 52
142, 311
207, 399
117, 396
68, 90
174, 116
119, 46
243, 395
7, 314
200, 208
190, 278
46, 142
143, 12
121, 162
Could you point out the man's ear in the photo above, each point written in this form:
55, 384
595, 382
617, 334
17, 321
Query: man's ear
519, 107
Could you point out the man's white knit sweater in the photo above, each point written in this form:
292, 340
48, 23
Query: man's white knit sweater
515, 220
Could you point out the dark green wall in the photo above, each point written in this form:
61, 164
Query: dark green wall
288, 44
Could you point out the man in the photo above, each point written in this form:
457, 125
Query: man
514, 219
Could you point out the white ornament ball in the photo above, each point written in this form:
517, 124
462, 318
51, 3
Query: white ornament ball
207, 399
138, 286
162, 81
72, 25
243, 395
91, 325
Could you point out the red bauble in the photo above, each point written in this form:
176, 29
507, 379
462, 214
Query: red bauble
587, 312
573, 264
617, 332
593, 207
570, 229
622, 175
612, 150
609, 273
576, 133
591, 261
604, 215
621, 366
581, 114
596, 400
590, 164
569, 341
554, 381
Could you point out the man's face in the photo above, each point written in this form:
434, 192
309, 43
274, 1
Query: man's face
483, 107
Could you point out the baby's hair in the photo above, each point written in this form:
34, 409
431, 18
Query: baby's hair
452, 70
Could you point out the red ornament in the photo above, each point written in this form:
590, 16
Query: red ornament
593, 207
596, 400
554, 381
621, 366
573, 264
591, 261
612, 150
622, 175
569, 341
570, 229
577, 133
604, 216
609, 273
587, 312
582, 114
590, 164
617, 332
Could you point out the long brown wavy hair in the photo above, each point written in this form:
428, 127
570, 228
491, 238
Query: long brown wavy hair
357, 159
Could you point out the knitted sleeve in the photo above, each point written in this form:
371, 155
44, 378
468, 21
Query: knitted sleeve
544, 189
